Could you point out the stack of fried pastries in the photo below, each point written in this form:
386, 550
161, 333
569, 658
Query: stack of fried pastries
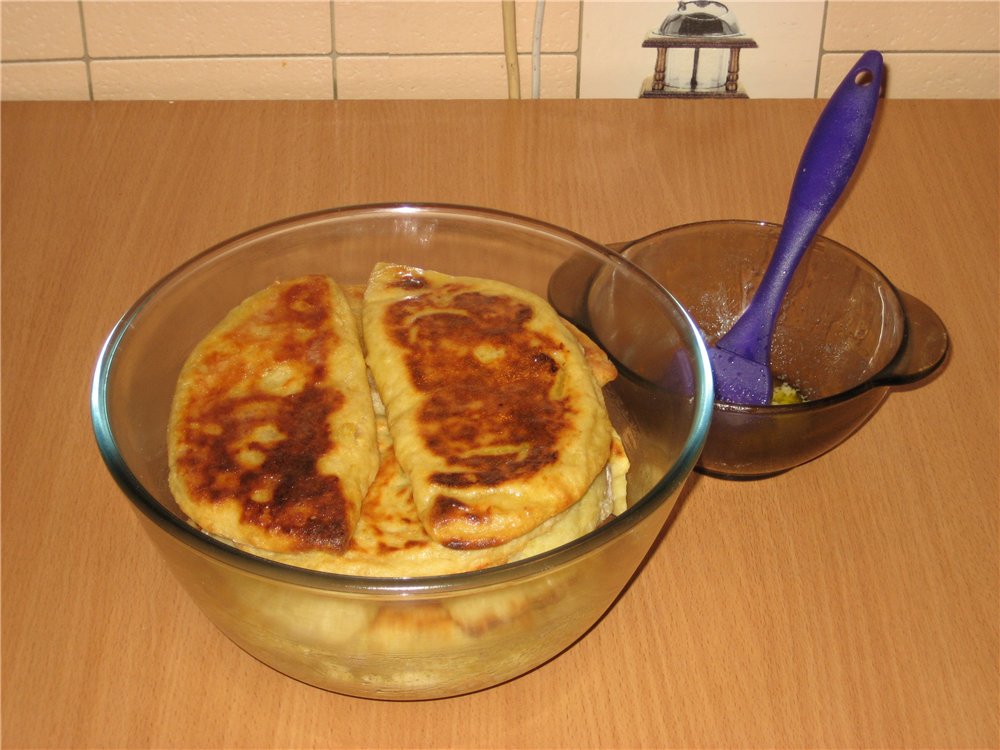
423, 424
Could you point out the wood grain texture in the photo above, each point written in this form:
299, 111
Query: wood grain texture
851, 602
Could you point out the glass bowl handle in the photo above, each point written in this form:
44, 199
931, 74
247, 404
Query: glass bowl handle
924, 347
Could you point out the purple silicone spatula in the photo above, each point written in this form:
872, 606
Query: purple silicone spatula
741, 359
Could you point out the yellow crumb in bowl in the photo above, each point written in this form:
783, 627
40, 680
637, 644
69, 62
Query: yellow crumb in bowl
785, 394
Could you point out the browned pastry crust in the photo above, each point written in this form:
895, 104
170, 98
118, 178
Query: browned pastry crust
494, 413
272, 434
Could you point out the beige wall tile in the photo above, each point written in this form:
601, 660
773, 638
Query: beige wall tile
924, 76
448, 26
44, 81
613, 62
375, 27
33, 30
214, 78
140, 28
449, 77
891, 25
560, 25
558, 76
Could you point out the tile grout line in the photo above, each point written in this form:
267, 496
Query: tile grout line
333, 51
86, 51
87, 58
267, 56
579, 48
822, 49
570, 53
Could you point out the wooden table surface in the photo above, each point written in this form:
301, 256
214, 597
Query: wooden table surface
852, 602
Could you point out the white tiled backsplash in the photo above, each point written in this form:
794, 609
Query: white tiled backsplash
454, 49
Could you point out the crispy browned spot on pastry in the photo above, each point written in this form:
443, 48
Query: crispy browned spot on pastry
487, 380
284, 492
255, 453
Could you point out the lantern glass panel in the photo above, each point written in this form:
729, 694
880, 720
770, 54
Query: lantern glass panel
706, 68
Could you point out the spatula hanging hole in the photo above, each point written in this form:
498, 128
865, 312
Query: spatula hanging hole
864, 78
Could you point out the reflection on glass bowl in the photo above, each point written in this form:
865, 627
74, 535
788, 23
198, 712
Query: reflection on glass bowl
421, 637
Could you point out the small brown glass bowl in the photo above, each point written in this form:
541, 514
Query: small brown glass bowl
844, 337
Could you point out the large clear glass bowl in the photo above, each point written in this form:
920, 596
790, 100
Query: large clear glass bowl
420, 637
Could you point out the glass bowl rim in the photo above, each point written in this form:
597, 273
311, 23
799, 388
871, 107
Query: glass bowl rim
873, 380
558, 557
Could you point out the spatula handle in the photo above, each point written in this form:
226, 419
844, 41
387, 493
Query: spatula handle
836, 144
828, 161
